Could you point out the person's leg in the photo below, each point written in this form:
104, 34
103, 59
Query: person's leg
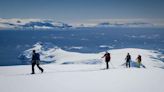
139, 64
33, 71
107, 65
126, 64
41, 69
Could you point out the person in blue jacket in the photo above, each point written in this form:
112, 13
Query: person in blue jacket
128, 60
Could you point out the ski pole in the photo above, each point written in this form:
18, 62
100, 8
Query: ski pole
101, 62
112, 64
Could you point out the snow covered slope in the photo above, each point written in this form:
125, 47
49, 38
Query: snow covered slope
81, 72
80, 78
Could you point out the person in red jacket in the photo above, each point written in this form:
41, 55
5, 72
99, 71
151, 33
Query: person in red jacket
107, 59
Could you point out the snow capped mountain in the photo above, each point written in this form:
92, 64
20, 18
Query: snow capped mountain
31, 24
50, 53
128, 24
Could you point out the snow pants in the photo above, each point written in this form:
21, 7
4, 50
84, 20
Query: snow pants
33, 65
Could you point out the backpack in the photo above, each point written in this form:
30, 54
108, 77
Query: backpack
37, 56
107, 57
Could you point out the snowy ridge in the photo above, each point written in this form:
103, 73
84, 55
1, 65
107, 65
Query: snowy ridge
50, 53
59, 56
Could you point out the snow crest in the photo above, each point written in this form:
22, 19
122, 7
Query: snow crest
50, 53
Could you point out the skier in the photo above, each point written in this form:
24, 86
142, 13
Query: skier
107, 59
128, 59
35, 61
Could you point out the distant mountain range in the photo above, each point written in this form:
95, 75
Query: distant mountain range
131, 24
33, 24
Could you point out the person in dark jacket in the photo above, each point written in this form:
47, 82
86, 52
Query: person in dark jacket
107, 59
35, 61
128, 59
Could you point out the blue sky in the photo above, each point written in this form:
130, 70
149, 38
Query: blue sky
74, 10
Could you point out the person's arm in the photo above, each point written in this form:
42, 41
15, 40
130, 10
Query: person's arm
137, 59
103, 56
32, 58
